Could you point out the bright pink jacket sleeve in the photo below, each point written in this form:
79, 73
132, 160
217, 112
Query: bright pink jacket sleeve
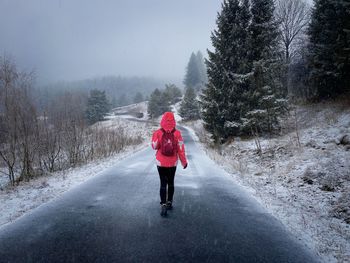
181, 148
156, 140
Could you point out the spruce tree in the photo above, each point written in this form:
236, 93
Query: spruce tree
265, 93
264, 30
219, 101
157, 104
192, 77
196, 72
97, 106
172, 93
329, 48
138, 97
189, 108
243, 71
203, 79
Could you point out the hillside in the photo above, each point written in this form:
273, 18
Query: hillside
119, 90
306, 186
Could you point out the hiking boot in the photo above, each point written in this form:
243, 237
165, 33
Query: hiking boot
163, 210
169, 205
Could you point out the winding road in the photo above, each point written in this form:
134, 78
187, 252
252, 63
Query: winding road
114, 217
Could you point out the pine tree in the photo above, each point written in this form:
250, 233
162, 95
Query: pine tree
192, 77
172, 93
264, 30
265, 93
189, 108
243, 71
329, 47
97, 106
157, 104
220, 100
265, 103
203, 78
196, 72
138, 97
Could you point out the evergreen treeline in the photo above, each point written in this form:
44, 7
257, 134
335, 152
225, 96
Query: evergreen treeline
161, 100
138, 97
196, 76
97, 106
34, 141
189, 108
195, 80
262, 56
244, 94
120, 91
329, 48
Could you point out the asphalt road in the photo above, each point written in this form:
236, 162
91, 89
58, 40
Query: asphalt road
114, 217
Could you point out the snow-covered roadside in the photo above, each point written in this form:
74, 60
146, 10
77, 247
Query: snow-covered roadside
305, 187
132, 111
16, 201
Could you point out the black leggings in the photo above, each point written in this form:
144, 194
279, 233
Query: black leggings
166, 175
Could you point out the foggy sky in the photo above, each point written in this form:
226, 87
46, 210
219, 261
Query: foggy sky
78, 39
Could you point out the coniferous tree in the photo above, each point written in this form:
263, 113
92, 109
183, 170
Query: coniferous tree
264, 30
203, 78
220, 99
266, 91
189, 108
172, 93
157, 104
138, 97
196, 75
243, 71
97, 106
192, 77
329, 48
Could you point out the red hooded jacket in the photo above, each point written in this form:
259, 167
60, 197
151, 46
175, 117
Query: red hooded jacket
168, 124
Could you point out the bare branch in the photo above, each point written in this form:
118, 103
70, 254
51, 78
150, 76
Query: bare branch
294, 16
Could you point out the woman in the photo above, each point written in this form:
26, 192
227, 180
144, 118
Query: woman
168, 143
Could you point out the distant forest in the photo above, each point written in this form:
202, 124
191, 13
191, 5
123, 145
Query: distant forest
120, 91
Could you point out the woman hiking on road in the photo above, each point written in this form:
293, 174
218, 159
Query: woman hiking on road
168, 143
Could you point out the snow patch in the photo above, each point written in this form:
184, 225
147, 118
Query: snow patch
308, 187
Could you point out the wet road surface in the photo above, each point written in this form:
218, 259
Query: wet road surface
114, 217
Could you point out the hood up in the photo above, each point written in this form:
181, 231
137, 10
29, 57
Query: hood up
168, 121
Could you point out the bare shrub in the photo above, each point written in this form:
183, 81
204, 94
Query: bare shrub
18, 119
341, 208
33, 143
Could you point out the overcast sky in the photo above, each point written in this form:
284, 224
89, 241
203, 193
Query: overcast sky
77, 39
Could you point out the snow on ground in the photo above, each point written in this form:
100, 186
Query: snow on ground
132, 111
307, 187
175, 109
133, 128
16, 201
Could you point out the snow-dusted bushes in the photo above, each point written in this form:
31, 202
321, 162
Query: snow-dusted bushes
33, 143
306, 185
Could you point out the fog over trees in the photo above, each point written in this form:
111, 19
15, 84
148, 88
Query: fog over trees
266, 54
55, 136
74, 40
262, 56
